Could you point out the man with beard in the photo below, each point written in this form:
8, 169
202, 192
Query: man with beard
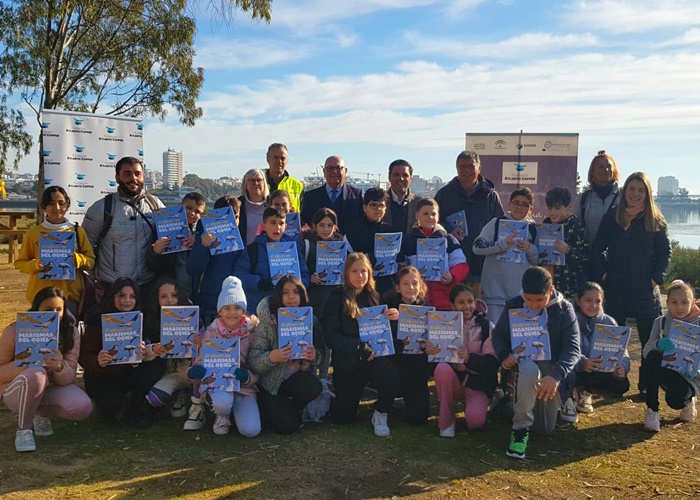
120, 227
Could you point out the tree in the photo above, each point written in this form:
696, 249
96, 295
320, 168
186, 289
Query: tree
128, 57
683, 193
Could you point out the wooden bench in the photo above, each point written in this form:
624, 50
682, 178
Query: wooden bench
13, 240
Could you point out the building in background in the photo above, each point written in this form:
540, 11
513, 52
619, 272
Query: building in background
153, 179
668, 186
172, 168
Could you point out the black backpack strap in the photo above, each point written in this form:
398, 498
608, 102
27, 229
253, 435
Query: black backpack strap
584, 200
252, 250
495, 229
107, 218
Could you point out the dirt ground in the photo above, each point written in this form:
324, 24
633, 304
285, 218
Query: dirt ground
607, 454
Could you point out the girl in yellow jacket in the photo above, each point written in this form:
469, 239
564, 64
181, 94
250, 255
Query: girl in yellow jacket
55, 203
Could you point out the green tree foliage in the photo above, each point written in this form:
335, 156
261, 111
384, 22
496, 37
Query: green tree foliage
208, 188
685, 264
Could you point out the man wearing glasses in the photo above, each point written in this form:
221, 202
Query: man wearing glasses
344, 200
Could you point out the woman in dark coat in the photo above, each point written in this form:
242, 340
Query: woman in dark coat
630, 254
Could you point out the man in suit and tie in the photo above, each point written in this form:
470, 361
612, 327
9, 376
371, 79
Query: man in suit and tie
335, 194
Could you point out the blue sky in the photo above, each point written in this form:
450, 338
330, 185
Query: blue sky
376, 80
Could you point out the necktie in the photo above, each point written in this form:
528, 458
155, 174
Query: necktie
334, 195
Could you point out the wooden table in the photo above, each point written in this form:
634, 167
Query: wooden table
14, 234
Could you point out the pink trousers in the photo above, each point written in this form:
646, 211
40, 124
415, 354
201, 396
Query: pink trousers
449, 390
30, 394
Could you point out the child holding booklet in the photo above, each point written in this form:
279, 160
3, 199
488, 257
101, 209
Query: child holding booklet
537, 400
500, 279
589, 313
427, 226
354, 364
681, 390
55, 203
474, 380
233, 321
37, 393
253, 267
108, 385
286, 385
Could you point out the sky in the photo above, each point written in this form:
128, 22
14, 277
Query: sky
377, 80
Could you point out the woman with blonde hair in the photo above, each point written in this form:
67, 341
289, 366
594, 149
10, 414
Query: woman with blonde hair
603, 194
253, 203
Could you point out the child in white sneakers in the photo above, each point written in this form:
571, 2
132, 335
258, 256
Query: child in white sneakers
232, 322
681, 390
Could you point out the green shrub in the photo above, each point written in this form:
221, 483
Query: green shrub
685, 265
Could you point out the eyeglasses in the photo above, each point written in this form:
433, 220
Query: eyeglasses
335, 170
520, 204
377, 206
255, 181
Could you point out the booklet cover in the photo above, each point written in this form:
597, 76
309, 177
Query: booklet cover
445, 335
178, 326
293, 229
457, 220
506, 228
386, 250
413, 327
220, 357
375, 330
529, 337
609, 343
122, 336
295, 327
56, 253
685, 357
431, 258
283, 259
221, 222
547, 234
330, 261
171, 222
36, 336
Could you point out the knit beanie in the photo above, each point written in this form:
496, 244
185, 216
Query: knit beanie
232, 294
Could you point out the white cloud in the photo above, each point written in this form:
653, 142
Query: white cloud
690, 37
248, 53
461, 7
632, 16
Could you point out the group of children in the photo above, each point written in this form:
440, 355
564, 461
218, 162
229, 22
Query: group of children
275, 390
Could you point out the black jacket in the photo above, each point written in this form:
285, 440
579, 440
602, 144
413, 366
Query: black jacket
348, 206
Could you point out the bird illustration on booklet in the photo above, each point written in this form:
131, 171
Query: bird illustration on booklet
518, 229
37, 335
122, 335
293, 229
386, 249
171, 222
330, 261
529, 337
178, 326
283, 259
375, 330
221, 222
56, 253
457, 220
609, 345
685, 356
431, 258
221, 357
547, 235
445, 335
412, 327
295, 326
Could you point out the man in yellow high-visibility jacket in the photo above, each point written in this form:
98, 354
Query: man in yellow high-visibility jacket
279, 178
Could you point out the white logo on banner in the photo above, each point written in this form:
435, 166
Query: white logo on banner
519, 173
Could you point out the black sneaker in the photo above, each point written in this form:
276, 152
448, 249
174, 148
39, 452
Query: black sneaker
518, 443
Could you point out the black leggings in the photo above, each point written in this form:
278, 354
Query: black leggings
282, 411
679, 392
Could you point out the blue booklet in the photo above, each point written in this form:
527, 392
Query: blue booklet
386, 250
431, 258
221, 222
56, 253
457, 220
685, 357
547, 234
506, 228
178, 326
295, 327
122, 336
445, 335
330, 261
609, 344
375, 330
221, 357
293, 229
412, 327
529, 336
283, 259
171, 222
36, 336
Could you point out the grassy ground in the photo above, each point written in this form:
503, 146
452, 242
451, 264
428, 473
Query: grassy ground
605, 455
